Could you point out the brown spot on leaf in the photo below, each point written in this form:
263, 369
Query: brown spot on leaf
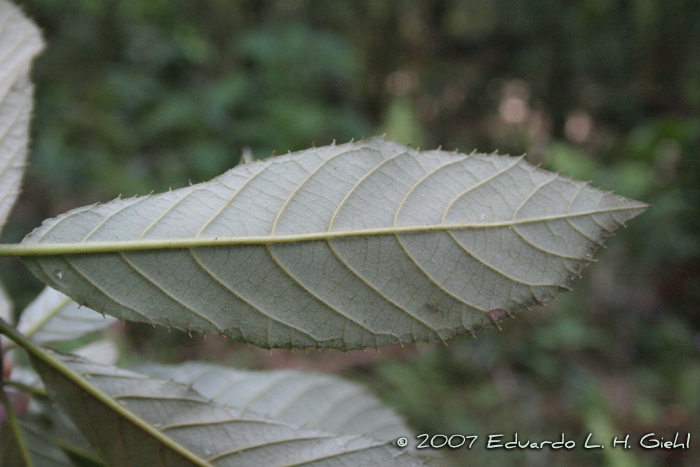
496, 315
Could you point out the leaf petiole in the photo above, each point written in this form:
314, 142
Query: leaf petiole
13, 423
56, 249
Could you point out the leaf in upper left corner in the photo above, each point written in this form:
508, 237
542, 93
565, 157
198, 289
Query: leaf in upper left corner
20, 42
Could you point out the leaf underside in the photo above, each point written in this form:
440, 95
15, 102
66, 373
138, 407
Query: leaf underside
395, 246
313, 400
150, 422
20, 41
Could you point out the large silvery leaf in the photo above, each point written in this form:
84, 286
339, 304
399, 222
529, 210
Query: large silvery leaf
135, 420
349, 246
20, 41
52, 317
313, 400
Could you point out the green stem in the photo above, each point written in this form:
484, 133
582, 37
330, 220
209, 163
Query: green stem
53, 249
13, 424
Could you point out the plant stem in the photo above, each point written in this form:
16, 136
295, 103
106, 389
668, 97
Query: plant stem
55, 249
13, 424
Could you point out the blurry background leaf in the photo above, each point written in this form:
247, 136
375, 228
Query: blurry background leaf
27, 376
52, 440
5, 312
43, 452
10, 454
103, 351
54, 317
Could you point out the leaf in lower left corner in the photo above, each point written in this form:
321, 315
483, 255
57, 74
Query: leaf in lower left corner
138, 421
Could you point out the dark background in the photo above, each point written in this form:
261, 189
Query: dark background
134, 96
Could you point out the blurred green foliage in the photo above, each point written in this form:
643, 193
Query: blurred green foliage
134, 96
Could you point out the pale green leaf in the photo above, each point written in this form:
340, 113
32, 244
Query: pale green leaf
5, 305
5, 312
26, 376
103, 351
20, 41
314, 400
139, 421
351, 246
53, 317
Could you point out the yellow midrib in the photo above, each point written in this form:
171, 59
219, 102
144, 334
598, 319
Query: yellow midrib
48, 249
